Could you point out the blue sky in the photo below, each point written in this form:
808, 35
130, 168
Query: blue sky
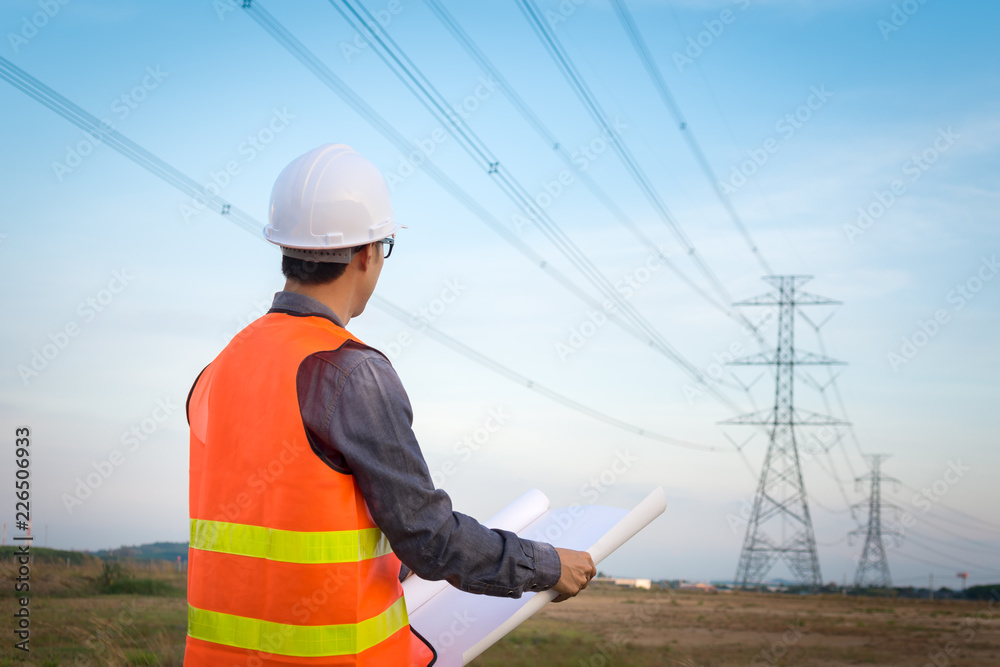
201, 84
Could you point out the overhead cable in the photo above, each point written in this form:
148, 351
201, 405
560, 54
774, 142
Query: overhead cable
490, 164
508, 91
534, 16
656, 76
158, 167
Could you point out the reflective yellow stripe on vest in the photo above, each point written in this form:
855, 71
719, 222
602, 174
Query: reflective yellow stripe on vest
289, 546
299, 640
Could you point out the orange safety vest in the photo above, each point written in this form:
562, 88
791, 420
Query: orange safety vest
286, 565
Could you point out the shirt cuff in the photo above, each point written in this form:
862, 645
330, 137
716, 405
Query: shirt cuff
548, 567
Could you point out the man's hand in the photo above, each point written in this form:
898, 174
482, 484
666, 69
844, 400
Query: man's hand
577, 570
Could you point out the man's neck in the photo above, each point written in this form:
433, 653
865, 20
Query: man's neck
335, 296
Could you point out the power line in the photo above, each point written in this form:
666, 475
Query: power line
921, 560
422, 325
590, 103
623, 314
833, 474
984, 525
394, 57
960, 524
850, 427
576, 81
656, 76
359, 17
418, 84
826, 400
975, 546
75, 114
659, 83
843, 411
829, 510
103, 132
846, 423
833, 383
931, 521
600, 117
550, 140
920, 544
982, 573
729, 129
988, 524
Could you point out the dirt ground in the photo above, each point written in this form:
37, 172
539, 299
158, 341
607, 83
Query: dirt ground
610, 626
73, 625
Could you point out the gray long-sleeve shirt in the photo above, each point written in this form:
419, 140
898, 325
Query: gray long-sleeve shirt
358, 420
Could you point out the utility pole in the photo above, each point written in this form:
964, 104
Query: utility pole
780, 526
873, 566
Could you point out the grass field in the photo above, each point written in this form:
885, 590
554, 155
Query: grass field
75, 624
87, 613
607, 626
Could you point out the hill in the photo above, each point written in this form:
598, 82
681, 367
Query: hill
156, 551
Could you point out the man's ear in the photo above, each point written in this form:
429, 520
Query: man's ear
365, 256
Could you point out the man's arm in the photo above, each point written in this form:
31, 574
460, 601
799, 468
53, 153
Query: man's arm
358, 418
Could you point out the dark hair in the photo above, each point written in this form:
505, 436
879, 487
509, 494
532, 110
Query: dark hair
308, 272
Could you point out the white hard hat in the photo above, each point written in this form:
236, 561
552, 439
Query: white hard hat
326, 202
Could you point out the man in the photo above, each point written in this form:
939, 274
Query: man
308, 488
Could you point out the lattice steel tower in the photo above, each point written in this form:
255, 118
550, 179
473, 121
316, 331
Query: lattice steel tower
873, 566
780, 527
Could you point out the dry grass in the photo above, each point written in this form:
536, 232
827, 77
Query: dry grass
606, 626
74, 625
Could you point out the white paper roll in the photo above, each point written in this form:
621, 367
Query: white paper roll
515, 517
625, 529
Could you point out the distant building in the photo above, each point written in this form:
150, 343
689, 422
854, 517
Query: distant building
626, 583
696, 587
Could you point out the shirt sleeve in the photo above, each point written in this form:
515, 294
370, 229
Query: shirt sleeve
359, 419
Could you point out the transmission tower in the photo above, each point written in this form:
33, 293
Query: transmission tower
873, 566
780, 527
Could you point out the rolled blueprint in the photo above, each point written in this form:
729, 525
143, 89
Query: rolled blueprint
515, 517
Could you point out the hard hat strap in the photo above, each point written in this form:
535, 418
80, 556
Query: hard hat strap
333, 255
